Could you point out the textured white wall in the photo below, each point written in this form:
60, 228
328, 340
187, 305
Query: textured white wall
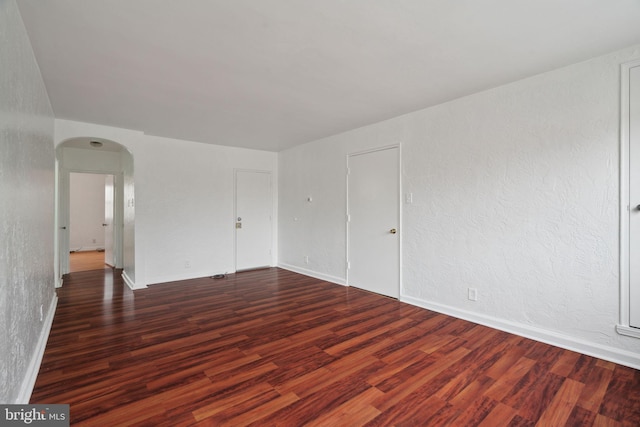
26, 213
86, 211
515, 193
184, 201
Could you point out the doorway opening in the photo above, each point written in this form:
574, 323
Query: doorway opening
91, 221
94, 205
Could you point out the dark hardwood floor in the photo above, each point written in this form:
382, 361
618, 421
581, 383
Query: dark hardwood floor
271, 347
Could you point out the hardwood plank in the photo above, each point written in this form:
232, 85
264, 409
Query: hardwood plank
272, 347
407, 411
561, 407
621, 401
519, 421
415, 378
602, 421
582, 368
244, 417
314, 405
581, 417
234, 401
357, 411
534, 393
476, 412
393, 369
566, 363
500, 415
504, 384
508, 359
595, 388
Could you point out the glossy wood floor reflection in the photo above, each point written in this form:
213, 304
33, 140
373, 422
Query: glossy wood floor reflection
272, 347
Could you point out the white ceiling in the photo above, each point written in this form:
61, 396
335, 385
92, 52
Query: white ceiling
270, 74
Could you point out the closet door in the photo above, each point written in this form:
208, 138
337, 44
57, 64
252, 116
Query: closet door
634, 196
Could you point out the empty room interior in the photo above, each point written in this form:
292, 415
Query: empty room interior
321, 212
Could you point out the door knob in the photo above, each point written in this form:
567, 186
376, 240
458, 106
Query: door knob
393, 231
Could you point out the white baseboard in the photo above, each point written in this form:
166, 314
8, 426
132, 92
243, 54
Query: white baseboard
29, 381
611, 354
314, 274
130, 283
158, 280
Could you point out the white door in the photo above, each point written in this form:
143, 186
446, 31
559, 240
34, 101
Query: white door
373, 221
634, 197
109, 189
254, 208
64, 222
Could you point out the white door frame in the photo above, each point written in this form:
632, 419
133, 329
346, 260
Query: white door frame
113, 226
400, 227
62, 227
625, 282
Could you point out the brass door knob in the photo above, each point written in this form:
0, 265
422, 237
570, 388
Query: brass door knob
393, 231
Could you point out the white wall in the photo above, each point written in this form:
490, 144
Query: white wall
86, 211
184, 201
26, 213
515, 193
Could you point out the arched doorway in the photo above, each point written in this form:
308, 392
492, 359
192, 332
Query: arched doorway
91, 155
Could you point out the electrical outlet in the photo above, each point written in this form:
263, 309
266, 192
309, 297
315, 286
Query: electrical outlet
187, 264
41, 313
306, 259
473, 294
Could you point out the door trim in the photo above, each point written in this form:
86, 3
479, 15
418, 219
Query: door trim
115, 250
624, 327
399, 207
